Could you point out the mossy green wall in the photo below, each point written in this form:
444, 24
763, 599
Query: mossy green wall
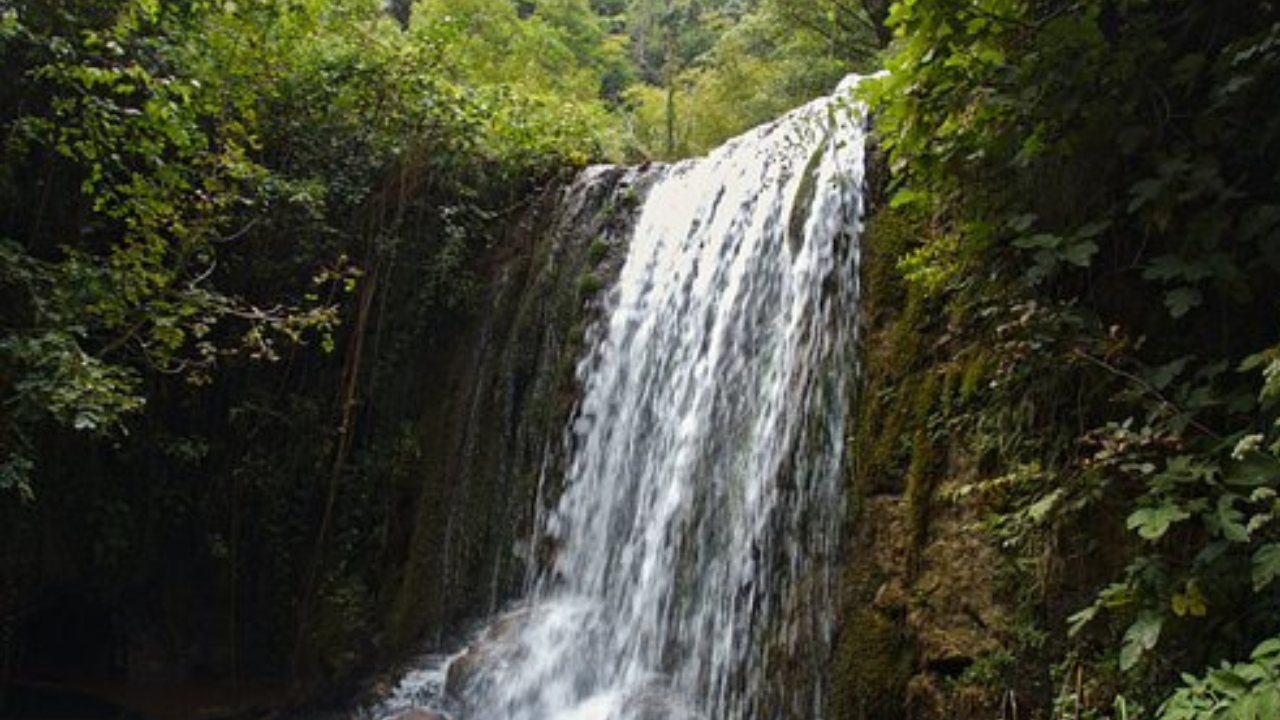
918, 601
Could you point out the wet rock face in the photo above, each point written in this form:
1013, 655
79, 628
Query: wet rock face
924, 614
490, 397
876, 654
917, 617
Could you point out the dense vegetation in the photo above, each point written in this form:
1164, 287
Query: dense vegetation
1085, 200
205, 206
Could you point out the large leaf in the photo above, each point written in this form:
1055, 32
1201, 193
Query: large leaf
1264, 702
1253, 469
1229, 521
1140, 638
1153, 522
1227, 682
1267, 648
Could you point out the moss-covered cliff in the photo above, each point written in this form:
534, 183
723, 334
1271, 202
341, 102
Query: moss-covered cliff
921, 612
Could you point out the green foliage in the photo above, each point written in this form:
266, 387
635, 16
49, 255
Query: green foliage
1229, 495
190, 135
1248, 690
540, 74
718, 71
588, 285
1099, 183
162, 169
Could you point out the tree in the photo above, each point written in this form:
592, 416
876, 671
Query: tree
115, 275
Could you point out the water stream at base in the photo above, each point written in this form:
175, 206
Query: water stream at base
698, 527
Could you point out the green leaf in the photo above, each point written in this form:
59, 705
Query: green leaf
1041, 509
1153, 522
1080, 254
1258, 221
1253, 469
15, 476
907, 196
1210, 553
1047, 241
1140, 638
1251, 672
1077, 621
1267, 648
1092, 229
1116, 595
1176, 267
1144, 191
1266, 701
1182, 300
1021, 223
1229, 521
1227, 682
1259, 360
1190, 602
1160, 376
1265, 566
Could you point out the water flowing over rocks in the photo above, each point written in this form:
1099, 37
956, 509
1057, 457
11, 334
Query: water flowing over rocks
684, 568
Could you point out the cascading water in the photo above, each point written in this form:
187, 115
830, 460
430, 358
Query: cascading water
695, 535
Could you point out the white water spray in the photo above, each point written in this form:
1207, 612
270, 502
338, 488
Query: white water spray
699, 520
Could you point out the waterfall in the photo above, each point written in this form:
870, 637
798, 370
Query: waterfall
693, 544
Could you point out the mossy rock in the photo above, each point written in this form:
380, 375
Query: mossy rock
875, 659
